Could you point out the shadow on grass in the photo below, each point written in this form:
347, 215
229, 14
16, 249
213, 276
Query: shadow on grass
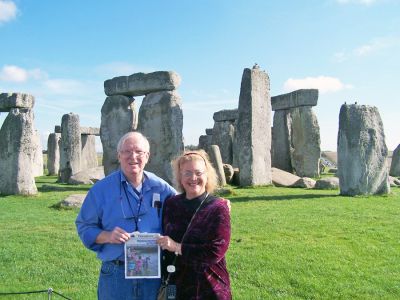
283, 197
64, 188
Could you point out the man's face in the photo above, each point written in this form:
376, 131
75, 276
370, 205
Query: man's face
133, 156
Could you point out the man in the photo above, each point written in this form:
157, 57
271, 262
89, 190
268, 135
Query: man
126, 201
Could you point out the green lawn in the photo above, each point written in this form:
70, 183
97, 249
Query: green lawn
286, 244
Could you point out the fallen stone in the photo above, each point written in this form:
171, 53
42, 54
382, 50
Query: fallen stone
73, 201
329, 183
283, 178
89, 176
305, 182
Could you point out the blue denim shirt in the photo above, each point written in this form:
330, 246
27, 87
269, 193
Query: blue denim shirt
112, 202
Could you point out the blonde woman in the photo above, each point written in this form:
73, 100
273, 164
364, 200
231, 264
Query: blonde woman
196, 228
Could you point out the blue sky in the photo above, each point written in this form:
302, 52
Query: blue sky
62, 51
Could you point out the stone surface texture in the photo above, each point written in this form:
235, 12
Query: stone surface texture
88, 154
118, 116
15, 100
161, 121
16, 153
281, 139
303, 97
226, 115
362, 151
90, 131
140, 84
253, 136
283, 178
395, 164
38, 168
223, 135
70, 151
53, 153
216, 161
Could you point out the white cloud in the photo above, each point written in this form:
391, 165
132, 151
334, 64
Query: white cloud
63, 86
362, 2
324, 84
12, 73
8, 11
370, 48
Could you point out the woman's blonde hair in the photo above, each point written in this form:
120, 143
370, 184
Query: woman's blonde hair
197, 155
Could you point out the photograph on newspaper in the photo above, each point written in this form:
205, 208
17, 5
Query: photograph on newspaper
142, 256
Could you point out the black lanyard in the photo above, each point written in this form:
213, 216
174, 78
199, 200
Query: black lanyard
139, 194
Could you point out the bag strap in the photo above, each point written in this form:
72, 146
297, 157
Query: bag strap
184, 235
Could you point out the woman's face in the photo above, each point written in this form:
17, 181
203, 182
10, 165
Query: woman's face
193, 178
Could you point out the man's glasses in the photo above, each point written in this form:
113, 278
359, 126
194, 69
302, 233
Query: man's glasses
129, 153
189, 174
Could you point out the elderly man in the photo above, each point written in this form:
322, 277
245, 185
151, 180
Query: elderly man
125, 201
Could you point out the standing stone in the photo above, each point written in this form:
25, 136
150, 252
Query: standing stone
281, 141
70, 152
37, 155
223, 134
118, 116
395, 165
305, 151
53, 153
89, 155
161, 121
362, 151
16, 153
216, 161
254, 129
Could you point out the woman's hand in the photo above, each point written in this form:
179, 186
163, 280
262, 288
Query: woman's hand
166, 243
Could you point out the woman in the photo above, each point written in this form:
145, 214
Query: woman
201, 271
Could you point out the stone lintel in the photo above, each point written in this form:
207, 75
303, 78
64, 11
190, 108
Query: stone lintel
140, 84
226, 115
90, 131
302, 97
15, 100
209, 131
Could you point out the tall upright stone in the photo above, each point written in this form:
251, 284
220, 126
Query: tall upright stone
281, 138
70, 152
254, 128
88, 155
37, 156
223, 133
216, 161
118, 116
161, 121
16, 153
53, 153
395, 164
362, 151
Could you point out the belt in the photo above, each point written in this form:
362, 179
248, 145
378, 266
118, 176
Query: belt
117, 262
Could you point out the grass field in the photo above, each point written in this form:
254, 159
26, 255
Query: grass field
286, 244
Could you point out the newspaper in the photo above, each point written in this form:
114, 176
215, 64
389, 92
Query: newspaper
142, 256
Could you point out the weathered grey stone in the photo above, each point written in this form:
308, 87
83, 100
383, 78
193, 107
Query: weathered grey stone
16, 153
87, 176
216, 161
209, 131
254, 129
118, 116
57, 129
328, 183
226, 115
362, 151
228, 170
139, 84
281, 138
393, 181
73, 201
15, 100
88, 154
53, 153
90, 131
161, 121
38, 168
204, 142
303, 97
70, 150
223, 135
395, 165
283, 178
305, 182
305, 149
